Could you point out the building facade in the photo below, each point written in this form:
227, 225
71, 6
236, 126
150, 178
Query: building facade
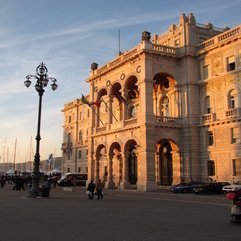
165, 111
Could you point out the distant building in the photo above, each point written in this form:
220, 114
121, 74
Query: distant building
44, 165
165, 111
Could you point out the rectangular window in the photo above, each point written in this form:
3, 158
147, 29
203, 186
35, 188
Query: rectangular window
68, 170
79, 169
79, 155
69, 119
231, 63
80, 115
205, 72
235, 136
210, 138
211, 168
236, 167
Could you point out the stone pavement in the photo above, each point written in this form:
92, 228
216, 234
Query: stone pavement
120, 216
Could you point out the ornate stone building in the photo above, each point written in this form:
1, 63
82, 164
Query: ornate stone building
167, 110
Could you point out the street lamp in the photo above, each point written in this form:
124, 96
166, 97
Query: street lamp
42, 80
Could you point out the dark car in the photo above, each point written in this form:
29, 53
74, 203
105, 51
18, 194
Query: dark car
73, 179
210, 188
185, 187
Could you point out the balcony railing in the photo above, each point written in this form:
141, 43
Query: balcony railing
101, 128
233, 113
221, 37
210, 117
131, 121
66, 146
168, 121
164, 49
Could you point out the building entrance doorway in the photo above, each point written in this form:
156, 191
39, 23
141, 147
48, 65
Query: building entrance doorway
166, 165
132, 159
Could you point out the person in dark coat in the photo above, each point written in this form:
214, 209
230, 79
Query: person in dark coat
99, 189
3, 181
91, 189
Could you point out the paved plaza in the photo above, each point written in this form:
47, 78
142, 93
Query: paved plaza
120, 216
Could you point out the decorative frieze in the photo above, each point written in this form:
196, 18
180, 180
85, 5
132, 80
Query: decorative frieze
217, 64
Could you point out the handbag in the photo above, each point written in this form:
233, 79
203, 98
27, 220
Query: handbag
88, 193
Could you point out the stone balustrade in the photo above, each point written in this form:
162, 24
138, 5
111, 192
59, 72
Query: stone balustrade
210, 117
168, 121
233, 113
164, 49
221, 37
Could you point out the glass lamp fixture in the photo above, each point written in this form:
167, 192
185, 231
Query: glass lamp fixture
27, 83
54, 85
45, 82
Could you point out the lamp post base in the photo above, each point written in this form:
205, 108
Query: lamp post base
33, 193
34, 190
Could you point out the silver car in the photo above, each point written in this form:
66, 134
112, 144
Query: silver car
232, 187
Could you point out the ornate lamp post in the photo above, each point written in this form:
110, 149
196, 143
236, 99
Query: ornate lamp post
42, 80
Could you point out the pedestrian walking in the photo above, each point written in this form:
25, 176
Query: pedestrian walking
91, 189
99, 189
3, 181
21, 182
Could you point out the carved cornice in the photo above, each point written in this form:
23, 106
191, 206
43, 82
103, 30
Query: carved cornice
106, 133
106, 69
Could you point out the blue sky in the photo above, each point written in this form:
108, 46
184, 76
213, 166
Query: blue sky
68, 35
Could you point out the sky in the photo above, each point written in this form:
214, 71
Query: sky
69, 35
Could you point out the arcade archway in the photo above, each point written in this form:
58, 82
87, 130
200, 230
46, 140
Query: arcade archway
168, 163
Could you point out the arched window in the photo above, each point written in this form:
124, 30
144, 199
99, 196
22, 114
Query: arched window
232, 99
132, 112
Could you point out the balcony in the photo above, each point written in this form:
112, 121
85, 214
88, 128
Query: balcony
66, 146
233, 113
168, 121
210, 117
131, 121
100, 129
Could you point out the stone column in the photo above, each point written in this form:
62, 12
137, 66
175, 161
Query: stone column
146, 170
176, 163
96, 164
157, 160
110, 117
110, 184
120, 168
124, 109
125, 182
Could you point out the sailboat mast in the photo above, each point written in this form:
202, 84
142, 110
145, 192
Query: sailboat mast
7, 163
30, 154
14, 159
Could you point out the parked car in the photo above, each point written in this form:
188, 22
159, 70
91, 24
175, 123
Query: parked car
185, 187
72, 179
232, 187
210, 188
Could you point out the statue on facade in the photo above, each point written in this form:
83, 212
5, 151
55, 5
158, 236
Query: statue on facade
94, 66
146, 36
